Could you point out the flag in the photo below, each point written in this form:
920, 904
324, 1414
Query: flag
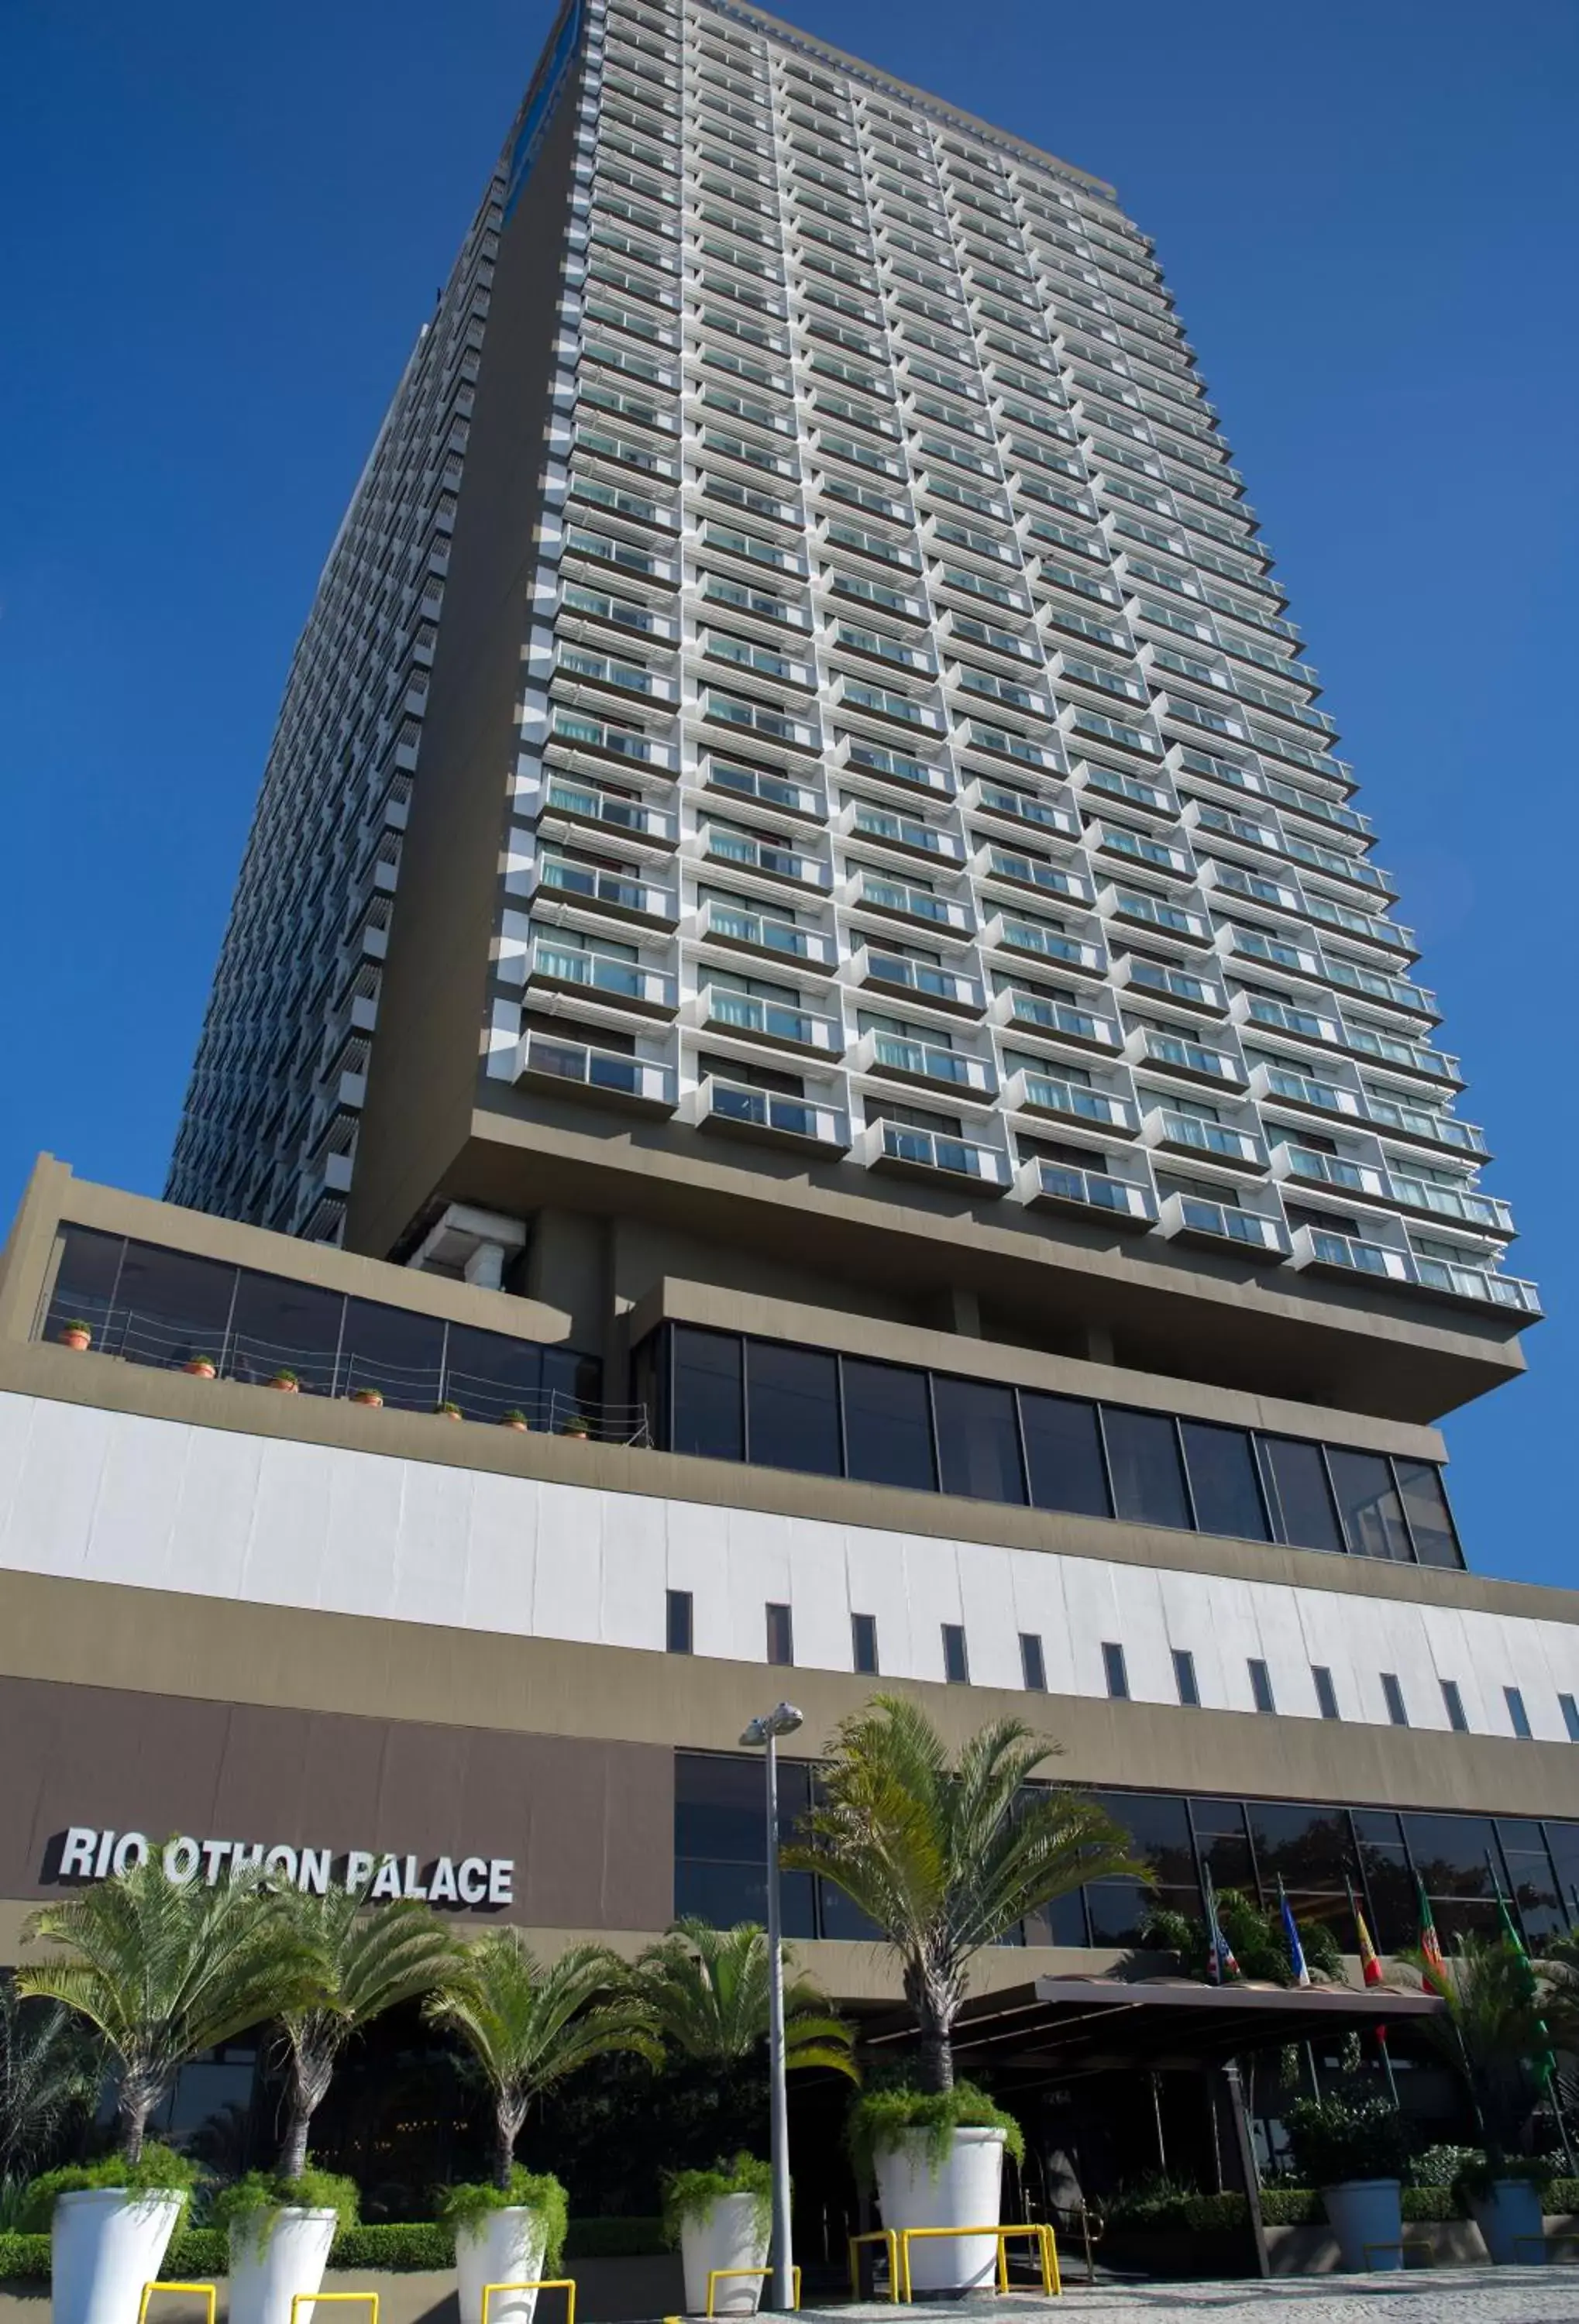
1221, 1965
1291, 1936
1436, 1969
1370, 1965
1546, 2064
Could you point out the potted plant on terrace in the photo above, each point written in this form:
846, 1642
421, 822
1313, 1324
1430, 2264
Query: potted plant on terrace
578, 1425
515, 1418
371, 1397
708, 1991
287, 1380
1352, 2151
947, 1854
448, 1410
201, 1367
527, 2027
76, 1334
161, 1970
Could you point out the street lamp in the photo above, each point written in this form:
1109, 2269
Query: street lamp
783, 1720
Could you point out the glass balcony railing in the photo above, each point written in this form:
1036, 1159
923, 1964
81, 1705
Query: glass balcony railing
1479, 1283
607, 1071
1002, 744
1463, 1204
913, 903
590, 806
717, 591
899, 831
1219, 1140
1040, 814
1139, 847
1172, 984
1035, 871
762, 855
1284, 1016
1155, 911
1301, 1089
940, 986
1039, 1012
599, 973
1223, 1222
933, 1150
760, 659
770, 1020
1090, 1190
1037, 1092
736, 924
756, 783
726, 709
595, 605
1009, 935
1332, 1170
894, 766
926, 1062
1128, 787
570, 727
1421, 1121
580, 881
1318, 1246
801, 1118
608, 550
1162, 1049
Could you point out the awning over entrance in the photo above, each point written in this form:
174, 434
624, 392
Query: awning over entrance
1069, 2025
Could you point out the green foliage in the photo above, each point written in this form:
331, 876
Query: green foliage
1480, 2173
880, 2120
466, 2207
1161, 2205
631, 2238
948, 1852
1562, 2197
24, 2259
1257, 1937
248, 2208
201, 2254
50, 2067
707, 1992
688, 2193
157, 2168
1491, 2034
1443, 2166
1333, 2139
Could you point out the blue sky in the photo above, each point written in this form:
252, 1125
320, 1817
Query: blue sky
224, 225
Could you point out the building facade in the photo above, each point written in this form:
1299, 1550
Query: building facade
806, 940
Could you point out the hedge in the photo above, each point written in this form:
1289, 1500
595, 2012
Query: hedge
200, 2253
1281, 2206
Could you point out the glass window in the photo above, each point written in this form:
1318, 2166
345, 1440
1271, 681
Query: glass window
720, 1841
1224, 1482
1311, 1851
397, 1352
1390, 1882
1142, 1451
780, 1636
1261, 1686
1159, 1836
792, 1408
1327, 1693
956, 1663
978, 1443
277, 1325
1223, 1843
1368, 1504
85, 1281
1299, 1478
488, 1375
1184, 1679
169, 1305
1518, 1718
887, 1425
1114, 1670
1419, 1484
708, 1413
1062, 1449
1392, 1694
679, 1631
1453, 1704
1453, 1854
864, 1643
1033, 1667
1569, 1707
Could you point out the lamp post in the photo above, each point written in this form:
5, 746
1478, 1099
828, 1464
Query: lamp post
783, 1720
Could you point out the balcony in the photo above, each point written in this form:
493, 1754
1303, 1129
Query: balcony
1217, 1142
1044, 816
756, 718
1322, 1252
1087, 1194
776, 1023
864, 758
577, 734
1038, 874
935, 1155
855, 698
754, 605
927, 1064
742, 929
762, 662
582, 803
578, 604
919, 906
1036, 941
926, 840
998, 742
1190, 1218
771, 1117
1274, 1085
575, 1068
765, 860
1176, 988
1048, 1019
1034, 1092
555, 882
598, 976
1110, 782
898, 977
623, 556
1138, 907
1139, 847
1478, 1286
779, 793
1149, 1045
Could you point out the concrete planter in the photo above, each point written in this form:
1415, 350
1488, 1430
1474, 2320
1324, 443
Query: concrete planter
105, 2245
1509, 2219
274, 2256
1367, 2222
734, 2231
964, 2191
501, 2247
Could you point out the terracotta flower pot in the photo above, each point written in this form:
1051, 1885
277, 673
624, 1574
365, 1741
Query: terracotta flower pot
289, 1387
76, 1336
201, 1368
522, 1427
371, 1397
450, 1412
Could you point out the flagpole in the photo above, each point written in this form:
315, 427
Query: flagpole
1546, 2071
1362, 1932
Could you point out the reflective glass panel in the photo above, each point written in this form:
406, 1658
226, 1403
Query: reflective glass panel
792, 1408
1142, 1451
170, 1306
709, 1412
977, 1441
1063, 1452
1368, 1504
1307, 1505
1223, 1482
1419, 1484
279, 1324
389, 1349
887, 1425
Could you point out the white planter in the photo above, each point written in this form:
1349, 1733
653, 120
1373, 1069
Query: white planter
733, 2232
501, 2247
1366, 2220
962, 2192
1509, 2219
105, 2245
273, 2255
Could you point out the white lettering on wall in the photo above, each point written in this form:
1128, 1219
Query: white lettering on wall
87, 1853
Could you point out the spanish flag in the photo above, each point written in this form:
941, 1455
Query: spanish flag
1435, 1968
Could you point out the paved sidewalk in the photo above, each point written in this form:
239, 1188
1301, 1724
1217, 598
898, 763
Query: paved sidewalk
1426, 2295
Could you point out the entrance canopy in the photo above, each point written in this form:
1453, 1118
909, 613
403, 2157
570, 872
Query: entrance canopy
1070, 2026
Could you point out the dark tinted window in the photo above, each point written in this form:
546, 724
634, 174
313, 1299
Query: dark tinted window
1392, 1694
1426, 1507
1368, 1504
400, 1355
1063, 1452
1115, 1671
955, 1665
780, 1634
85, 1280
1033, 1667
864, 1643
1453, 1853
720, 1841
1388, 1881
488, 1375
791, 1402
1299, 1476
1142, 1451
279, 1324
678, 1638
1184, 1679
169, 1305
1453, 1704
1517, 1717
1311, 1851
708, 1418
1261, 1686
888, 1427
1224, 1482
978, 1444
1223, 1844
1327, 1693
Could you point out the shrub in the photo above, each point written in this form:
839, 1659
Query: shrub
879, 2120
24, 2259
1332, 2140
395, 2250
248, 2208
469, 2204
597, 2238
157, 2168
688, 2194
1442, 2166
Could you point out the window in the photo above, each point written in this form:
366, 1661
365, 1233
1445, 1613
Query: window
679, 1630
887, 1425
1118, 1677
1419, 1484
1368, 1504
1033, 1667
1304, 1502
1063, 1451
792, 1408
1223, 1483
1327, 1693
864, 1643
978, 1443
1142, 1451
709, 1416
1513, 1697
1452, 1702
780, 1636
1569, 1707
1260, 1687
1393, 1696
1184, 1678
956, 1665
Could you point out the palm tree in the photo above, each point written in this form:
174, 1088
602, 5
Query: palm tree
165, 1971
528, 2027
707, 1990
50, 2067
1559, 1971
948, 1856
1493, 2034
363, 1963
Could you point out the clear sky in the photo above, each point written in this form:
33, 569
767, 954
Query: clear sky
222, 226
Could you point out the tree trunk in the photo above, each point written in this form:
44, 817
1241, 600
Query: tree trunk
293, 2149
311, 2067
509, 2114
135, 2112
936, 2058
